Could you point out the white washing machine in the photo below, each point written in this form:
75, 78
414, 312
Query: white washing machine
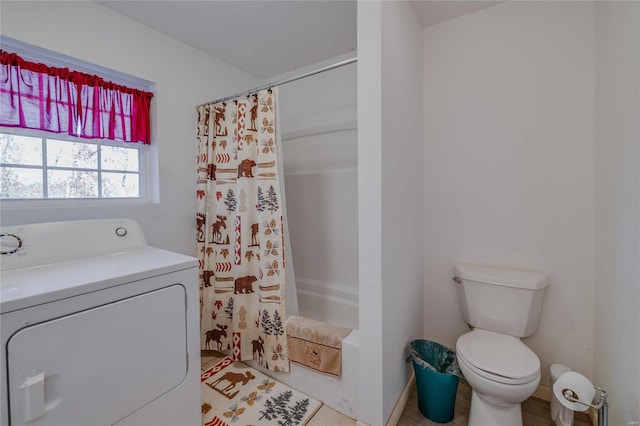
97, 328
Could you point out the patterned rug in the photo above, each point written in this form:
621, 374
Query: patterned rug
236, 394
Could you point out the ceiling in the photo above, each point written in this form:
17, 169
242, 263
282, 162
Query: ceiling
268, 38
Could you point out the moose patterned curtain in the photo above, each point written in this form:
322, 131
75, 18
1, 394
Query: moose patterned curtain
240, 231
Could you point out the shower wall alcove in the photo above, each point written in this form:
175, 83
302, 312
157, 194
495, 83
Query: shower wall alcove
319, 145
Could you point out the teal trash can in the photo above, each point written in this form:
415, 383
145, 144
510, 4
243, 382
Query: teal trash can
437, 372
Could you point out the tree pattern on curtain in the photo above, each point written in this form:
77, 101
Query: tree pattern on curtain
240, 231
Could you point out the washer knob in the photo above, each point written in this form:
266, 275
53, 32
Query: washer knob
10, 243
121, 231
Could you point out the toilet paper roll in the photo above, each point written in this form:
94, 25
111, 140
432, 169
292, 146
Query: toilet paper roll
580, 388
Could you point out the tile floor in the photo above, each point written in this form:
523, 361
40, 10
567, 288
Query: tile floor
535, 411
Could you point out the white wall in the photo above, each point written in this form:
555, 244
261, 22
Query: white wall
391, 200
508, 158
184, 77
617, 191
402, 189
370, 211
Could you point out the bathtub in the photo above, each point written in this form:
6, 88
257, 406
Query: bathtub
334, 305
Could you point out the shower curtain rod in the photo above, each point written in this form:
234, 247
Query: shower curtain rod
284, 81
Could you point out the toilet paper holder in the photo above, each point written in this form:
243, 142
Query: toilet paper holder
602, 406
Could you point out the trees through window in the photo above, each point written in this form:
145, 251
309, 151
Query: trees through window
43, 167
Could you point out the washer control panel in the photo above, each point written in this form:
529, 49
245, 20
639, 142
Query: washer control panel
42, 243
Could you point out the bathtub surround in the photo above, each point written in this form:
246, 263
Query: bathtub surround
239, 231
320, 167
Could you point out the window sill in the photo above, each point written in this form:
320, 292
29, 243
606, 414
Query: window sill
81, 202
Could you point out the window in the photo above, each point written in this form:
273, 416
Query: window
47, 166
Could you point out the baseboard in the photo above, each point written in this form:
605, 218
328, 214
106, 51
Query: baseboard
543, 392
396, 413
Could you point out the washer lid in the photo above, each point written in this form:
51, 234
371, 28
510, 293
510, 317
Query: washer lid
26, 287
498, 355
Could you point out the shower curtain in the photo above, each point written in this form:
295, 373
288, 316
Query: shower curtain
239, 229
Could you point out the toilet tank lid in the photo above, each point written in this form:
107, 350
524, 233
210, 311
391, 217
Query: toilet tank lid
529, 280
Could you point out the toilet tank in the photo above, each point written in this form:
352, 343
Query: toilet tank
502, 300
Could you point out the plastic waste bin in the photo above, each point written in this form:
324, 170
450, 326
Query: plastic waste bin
437, 377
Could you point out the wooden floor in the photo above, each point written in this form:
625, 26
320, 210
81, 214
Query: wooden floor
535, 412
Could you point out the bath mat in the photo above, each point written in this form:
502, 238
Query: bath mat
316, 344
236, 394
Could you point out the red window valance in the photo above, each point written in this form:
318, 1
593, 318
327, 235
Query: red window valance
37, 96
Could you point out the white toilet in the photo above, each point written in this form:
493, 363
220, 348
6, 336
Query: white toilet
503, 305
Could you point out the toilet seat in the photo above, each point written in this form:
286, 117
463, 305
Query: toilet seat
498, 357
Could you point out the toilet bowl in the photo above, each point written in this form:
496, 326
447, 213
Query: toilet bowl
502, 372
